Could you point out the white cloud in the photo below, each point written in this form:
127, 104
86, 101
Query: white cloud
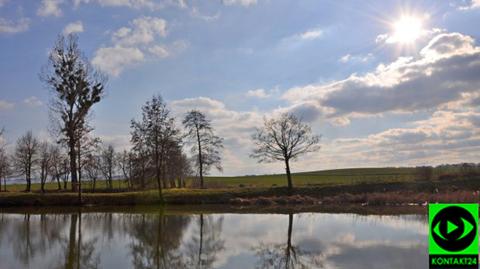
114, 60
33, 101
50, 8
159, 50
132, 43
356, 58
443, 72
296, 40
142, 30
470, 4
424, 34
258, 93
244, 3
74, 27
5, 105
261, 93
197, 14
311, 34
447, 136
137, 4
7, 26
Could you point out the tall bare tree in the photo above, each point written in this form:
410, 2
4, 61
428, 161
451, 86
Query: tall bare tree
205, 144
76, 87
155, 132
141, 164
45, 163
177, 166
126, 162
93, 168
4, 163
284, 139
26, 156
86, 146
58, 169
108, 164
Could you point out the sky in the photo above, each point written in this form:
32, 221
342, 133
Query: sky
385, 83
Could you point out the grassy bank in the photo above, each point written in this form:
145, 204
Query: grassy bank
303, 179
382, 193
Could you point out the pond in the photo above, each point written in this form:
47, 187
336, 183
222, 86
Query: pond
156, 238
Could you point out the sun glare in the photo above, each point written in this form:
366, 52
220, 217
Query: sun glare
406, 30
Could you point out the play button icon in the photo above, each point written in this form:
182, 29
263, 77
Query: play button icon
451, 227
454, 228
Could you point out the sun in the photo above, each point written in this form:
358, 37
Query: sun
407, 30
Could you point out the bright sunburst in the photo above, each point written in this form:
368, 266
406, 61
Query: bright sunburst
406, 30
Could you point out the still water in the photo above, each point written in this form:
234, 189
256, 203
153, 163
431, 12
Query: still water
162, 239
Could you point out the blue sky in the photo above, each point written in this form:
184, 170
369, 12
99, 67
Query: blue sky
379, 98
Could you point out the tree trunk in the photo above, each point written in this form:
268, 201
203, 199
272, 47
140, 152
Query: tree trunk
79, 162
289, 241
73, 165
28, 179
201, 242
289, 176
158, 175
200, 160
79, 243
71, 242
58, 183
28, 185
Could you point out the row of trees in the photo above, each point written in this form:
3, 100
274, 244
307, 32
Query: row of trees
157, 143
32, 158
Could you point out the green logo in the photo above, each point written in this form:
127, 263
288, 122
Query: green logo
453, 236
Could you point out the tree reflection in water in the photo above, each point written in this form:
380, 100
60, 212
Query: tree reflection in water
206, 243
31, 239
286, 256
79, 253
156, 239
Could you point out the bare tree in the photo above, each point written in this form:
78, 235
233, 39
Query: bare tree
155, 132
177, 166
126, 161
57, 168
76, 87
86, 146
4, 164
93, 168
108, 164
205, 144
45, 163
141, 164
26, 156
283, 139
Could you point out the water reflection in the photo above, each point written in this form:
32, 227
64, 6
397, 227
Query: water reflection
287, 255
158, 240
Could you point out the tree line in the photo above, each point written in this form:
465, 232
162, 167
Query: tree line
156, 157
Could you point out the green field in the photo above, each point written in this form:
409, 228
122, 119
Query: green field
313, 178
319, 178
52, 186
362, 185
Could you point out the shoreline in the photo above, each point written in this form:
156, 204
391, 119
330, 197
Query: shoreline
372, 194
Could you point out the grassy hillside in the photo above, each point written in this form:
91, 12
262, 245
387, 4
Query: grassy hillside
305, 179
317, 178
